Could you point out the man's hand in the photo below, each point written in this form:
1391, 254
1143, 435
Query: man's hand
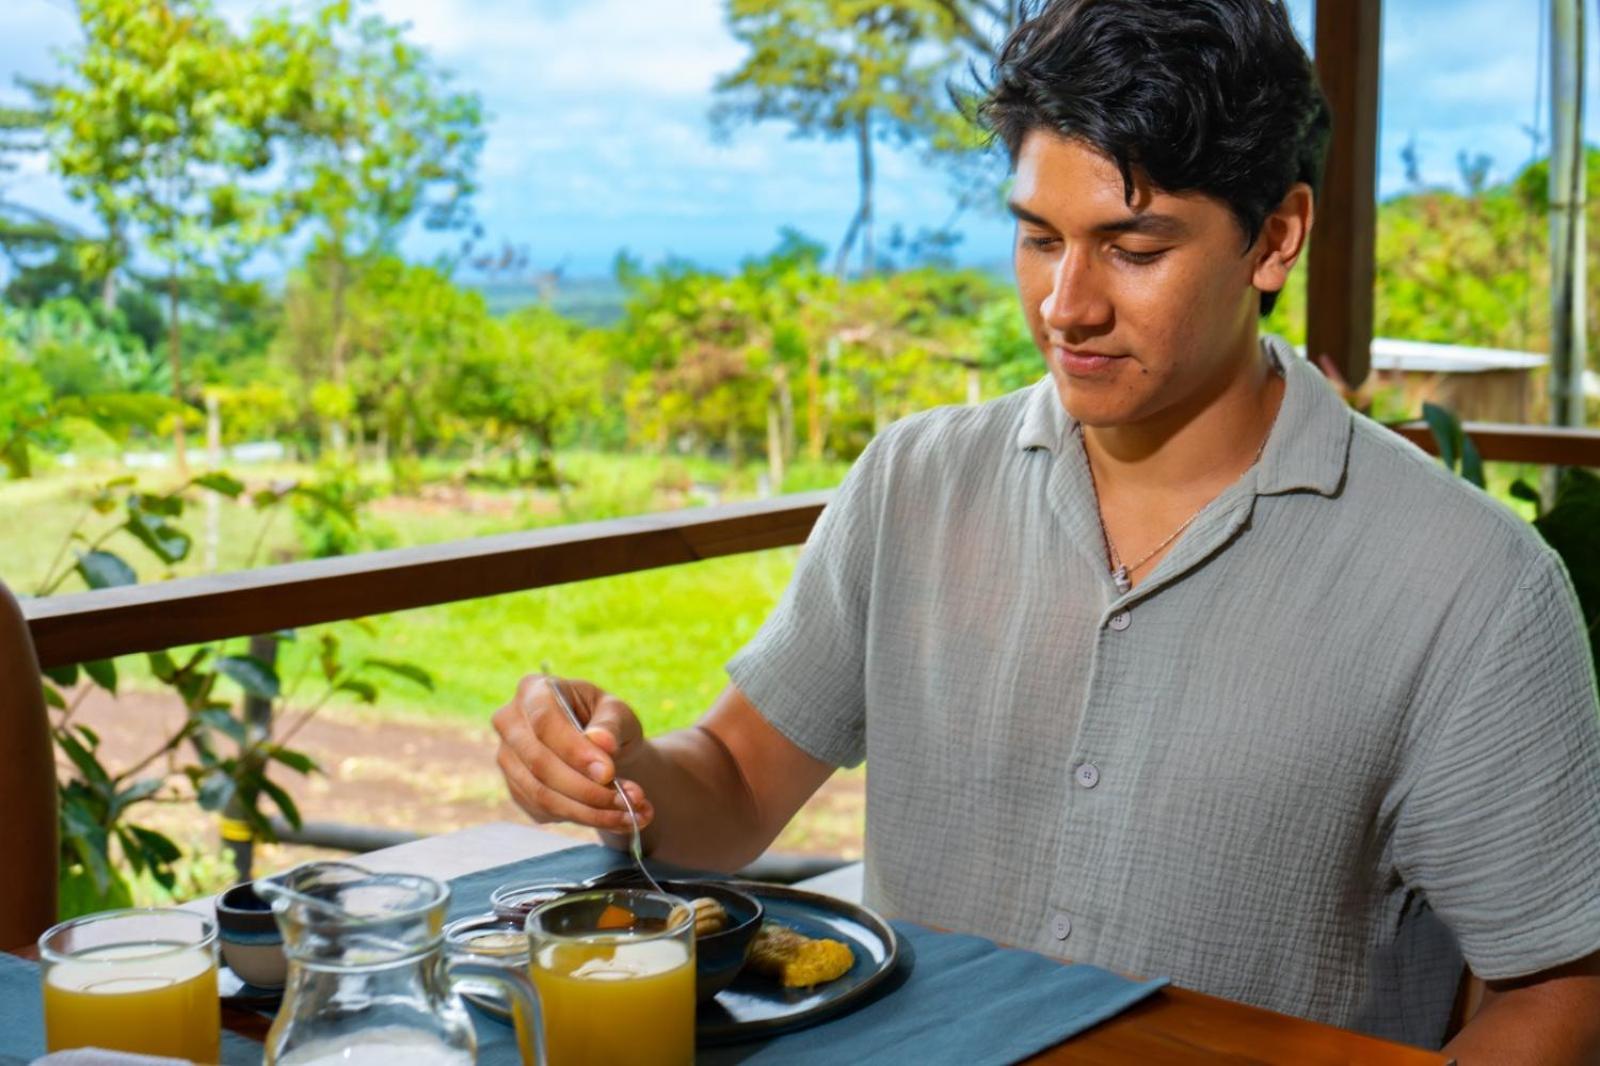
723, 788
558, 774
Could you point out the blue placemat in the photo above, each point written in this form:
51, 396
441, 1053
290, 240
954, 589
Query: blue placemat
22, 1018
967, 1001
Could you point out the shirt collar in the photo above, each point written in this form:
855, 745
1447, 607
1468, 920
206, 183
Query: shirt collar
1045, 423
1310, 441
1307, 449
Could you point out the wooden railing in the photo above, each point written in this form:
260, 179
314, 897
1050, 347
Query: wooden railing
86, 626
97, 625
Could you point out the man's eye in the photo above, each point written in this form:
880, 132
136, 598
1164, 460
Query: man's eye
1137, 258
1039, 243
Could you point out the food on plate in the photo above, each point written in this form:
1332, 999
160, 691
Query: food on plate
615, 917
709, 916
796, 960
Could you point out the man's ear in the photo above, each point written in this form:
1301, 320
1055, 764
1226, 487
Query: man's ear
1282, 239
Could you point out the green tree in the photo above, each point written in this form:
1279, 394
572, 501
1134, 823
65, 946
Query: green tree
537, 379
860, 69
375, 139
717, 358
161, 122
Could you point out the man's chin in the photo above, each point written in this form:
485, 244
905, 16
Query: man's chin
1099, 407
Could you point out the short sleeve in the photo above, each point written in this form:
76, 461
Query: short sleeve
805, 668
1501, 830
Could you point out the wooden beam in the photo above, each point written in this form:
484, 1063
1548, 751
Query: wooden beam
98, 625
1340, 259
1505, 443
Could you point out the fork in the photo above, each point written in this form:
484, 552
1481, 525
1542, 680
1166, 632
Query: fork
634, 846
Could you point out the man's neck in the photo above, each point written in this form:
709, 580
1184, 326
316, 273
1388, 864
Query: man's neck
1202, 444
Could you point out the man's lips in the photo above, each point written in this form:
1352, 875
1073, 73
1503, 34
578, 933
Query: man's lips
1081, 361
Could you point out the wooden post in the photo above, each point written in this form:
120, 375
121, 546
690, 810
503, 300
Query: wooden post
238, 837
1568, 323
1339, 284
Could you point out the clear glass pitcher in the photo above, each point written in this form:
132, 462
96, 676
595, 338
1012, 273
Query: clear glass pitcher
369, 978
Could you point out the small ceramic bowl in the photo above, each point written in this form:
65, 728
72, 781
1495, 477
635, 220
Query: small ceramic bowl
719, 956
489, 936
252, 946
516, 900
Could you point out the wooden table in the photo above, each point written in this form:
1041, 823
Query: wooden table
1175, 1026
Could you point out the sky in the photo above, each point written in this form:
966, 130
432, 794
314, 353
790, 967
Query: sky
598, 138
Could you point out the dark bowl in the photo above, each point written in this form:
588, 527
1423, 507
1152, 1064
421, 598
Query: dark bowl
718, 956
250, 941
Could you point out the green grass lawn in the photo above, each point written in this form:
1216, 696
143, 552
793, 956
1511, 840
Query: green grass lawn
657, 638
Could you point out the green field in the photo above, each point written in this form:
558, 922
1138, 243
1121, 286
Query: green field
657, 638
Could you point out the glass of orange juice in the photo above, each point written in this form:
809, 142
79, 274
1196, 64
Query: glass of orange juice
133, 980
615, 974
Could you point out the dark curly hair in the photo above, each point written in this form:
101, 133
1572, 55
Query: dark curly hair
1210, 96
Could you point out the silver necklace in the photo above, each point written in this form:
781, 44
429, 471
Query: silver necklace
1121, 573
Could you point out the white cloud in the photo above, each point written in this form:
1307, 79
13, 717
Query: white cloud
598, 134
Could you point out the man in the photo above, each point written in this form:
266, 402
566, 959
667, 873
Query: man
1169, 663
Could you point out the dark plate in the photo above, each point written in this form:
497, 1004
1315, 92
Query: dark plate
756, 1007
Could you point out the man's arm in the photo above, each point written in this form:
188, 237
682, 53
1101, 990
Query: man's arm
1550, 1019
714, 795
723, 789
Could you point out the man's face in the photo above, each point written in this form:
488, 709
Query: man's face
1138, 308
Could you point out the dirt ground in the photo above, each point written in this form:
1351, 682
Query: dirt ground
403, 772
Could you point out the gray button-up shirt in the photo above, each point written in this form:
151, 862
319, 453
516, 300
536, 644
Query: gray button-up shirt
1343, 735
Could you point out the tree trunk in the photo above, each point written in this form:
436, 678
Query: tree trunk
814, 401
213, 500
786, 414
864, 150
974, 386
108, 291
336, 431
175, 361
861, 224
775, 441
841, 258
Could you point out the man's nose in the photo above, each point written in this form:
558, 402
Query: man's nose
1077, 299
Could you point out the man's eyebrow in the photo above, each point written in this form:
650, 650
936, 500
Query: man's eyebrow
1149, 223
1022, 214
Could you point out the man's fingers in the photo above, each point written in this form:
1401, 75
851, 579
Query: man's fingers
617, 721
641, 805
575, 749
558, 772
553, 730
545, 803
550, 768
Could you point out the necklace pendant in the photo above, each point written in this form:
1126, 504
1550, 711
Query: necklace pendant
1123, 582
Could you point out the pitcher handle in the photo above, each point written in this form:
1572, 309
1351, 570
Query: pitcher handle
512, 979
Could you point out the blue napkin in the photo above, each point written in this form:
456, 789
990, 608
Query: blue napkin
22, 1018
966, 1002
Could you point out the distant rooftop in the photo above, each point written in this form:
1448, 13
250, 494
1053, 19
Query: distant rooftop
1420, 357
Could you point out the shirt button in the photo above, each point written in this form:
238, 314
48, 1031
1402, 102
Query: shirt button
1120, 620
1088, 775
1061, 927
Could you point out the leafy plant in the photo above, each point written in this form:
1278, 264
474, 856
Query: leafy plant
221, 756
